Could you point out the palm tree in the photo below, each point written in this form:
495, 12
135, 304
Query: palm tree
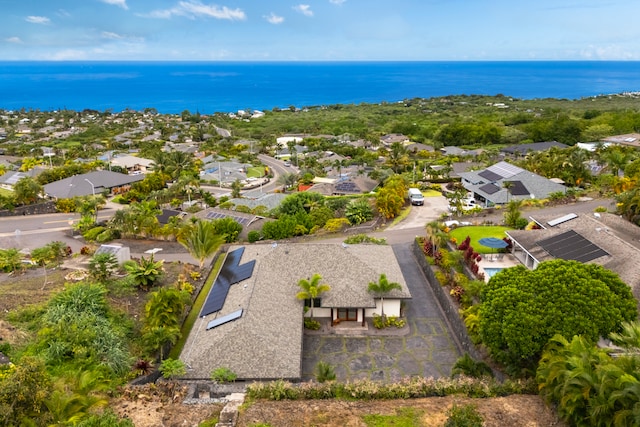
201, 240
287, 180
381, 288
311, 289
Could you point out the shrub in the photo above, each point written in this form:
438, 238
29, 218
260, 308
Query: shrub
325, 372
381, 322
359, 211
223, 375
336, 224
363, 238
311, 324
406, 388
91, 234
463, 416
471, 368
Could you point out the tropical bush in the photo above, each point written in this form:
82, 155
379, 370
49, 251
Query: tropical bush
223, 375
359, 211
144, 273
324, 372
463, 416
311, 324
363, 238
381, 322
406, 388
471, 368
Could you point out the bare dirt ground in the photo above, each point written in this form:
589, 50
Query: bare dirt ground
161, 406
512, 411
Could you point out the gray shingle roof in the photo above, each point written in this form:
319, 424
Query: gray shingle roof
266, 342
80, 185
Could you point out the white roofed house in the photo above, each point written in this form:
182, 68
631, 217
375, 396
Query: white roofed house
132, 164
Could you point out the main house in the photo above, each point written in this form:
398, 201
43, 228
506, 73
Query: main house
252, 322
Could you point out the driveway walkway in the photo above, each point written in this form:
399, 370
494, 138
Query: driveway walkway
426, 349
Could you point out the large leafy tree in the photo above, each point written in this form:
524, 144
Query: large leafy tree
311, 289
201, 240
522, 309
27, 191
381, 288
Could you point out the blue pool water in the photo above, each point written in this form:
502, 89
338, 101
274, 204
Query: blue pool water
491, 271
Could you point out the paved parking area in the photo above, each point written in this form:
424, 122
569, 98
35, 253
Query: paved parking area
427, 349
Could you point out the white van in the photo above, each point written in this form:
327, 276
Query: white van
416, 197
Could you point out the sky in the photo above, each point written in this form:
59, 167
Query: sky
319, 30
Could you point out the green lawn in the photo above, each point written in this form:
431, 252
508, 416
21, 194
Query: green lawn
431, 193
5, 193
478, 232
255, 172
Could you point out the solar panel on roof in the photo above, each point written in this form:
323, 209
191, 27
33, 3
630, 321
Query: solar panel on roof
571, 246
219, 215
517, 188
505, 169
490, 176
216, 298
229, 274
490, 188
224, 319
243, 272
565, 218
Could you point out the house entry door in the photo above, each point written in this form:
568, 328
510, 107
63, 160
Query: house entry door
348, 314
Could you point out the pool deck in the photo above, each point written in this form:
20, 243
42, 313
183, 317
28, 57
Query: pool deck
492, 261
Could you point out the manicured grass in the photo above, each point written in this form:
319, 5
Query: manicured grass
5, 193
255, 172
195, 309
478, 232
431, 193
408, 417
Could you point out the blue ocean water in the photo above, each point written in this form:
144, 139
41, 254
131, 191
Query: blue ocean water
208, 87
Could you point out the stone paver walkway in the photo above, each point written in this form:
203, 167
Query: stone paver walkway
426, 350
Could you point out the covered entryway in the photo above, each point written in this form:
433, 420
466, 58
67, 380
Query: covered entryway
348, 314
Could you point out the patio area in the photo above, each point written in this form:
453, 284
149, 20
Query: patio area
492, 263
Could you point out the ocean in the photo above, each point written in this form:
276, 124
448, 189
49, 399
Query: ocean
209, 87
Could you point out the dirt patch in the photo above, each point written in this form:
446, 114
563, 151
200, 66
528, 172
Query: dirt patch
513, 411
156, 405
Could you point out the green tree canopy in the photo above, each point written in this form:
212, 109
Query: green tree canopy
522, 309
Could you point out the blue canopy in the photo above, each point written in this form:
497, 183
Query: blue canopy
493, 242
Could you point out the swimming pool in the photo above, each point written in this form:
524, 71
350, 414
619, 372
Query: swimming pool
491, 271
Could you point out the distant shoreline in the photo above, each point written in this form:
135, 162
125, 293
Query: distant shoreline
210, 87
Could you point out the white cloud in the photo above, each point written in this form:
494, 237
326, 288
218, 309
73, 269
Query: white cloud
338, 2
119, 3
194, 9
272, 18
66, 55
37, 19
13, 40
304, 9
111, 36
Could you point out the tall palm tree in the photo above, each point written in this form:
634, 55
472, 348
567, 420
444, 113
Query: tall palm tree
381, 288
311, 289
201, 240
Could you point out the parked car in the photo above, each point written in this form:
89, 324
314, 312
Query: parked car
416, 197
467, 205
